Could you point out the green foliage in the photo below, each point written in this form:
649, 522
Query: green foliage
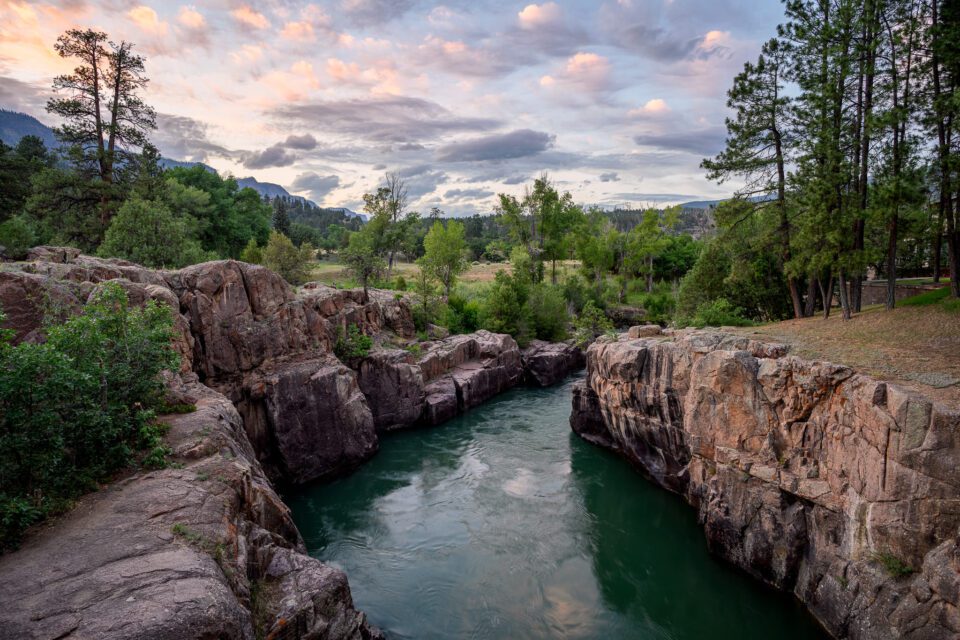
444, 253
719, 312
352, 344
426, 310
505, 310
362, 258
252, 253
16, 237
591, 322
291, 263
280, 221
894, 566
148, 233
78, 407
462, 315
547, 311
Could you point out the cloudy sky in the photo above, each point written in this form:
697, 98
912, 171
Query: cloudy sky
618, 100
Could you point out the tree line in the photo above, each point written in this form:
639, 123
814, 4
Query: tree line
844, 129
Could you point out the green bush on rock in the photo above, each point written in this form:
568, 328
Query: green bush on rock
78, 407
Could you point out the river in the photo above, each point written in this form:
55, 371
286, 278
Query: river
502, 524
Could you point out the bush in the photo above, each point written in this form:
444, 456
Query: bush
505, 310
287, 260
148, 233
547, 311
16, 237
252, 253
591, 322
78, 407
461, 315
352, 344
719, 313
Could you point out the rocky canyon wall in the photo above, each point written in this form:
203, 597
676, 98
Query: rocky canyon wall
207, 549
811, 477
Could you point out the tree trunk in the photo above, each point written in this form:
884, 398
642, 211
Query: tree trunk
798, 311
938, 248
811, 304
892, 262
827, 294
844, 296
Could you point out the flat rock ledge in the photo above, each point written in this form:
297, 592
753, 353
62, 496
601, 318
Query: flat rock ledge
811, 477
203, 550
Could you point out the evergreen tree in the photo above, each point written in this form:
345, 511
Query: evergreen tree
281, 221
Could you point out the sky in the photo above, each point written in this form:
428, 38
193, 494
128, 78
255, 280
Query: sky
617, 100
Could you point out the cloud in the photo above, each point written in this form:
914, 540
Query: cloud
305, 142
705, 142
365, 13
183, 138
190, 18
316, 185
536, 16
383, 119
467, 194
148, 20
501, 146
515, 180
247, 54
609, 177
583, 71
653, 107
249, 18
273, 156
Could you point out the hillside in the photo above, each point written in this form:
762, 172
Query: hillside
15, 125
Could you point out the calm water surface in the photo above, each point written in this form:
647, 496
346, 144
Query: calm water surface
503, 524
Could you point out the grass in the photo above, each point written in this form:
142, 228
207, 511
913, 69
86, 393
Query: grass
893, 565
916, 344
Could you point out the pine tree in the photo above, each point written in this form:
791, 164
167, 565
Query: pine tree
281, 221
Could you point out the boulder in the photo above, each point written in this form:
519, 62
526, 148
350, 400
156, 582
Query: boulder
643, 331
308, 420
394, 388
547, 363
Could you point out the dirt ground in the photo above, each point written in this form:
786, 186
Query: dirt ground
918, 347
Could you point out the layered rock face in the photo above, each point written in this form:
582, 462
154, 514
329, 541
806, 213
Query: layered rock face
547, 363
807, 475
206, 550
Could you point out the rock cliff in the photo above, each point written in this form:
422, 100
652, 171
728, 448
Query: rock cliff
208, 549
815, 479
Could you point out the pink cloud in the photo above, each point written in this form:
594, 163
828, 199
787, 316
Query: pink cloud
247, 17
191, 18
534, 16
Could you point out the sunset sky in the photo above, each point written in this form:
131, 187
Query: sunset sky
618, 100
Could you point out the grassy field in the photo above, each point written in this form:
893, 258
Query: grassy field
917, 344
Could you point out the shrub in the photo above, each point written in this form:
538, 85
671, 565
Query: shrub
282, 256
547, 311
252, 253
16, 237
461, 315
893, 565
591, 322
148, 233
718, 313
352, 344
78, 407
505, 310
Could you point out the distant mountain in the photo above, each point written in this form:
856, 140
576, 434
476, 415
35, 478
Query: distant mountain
167, 163
710, 204
15, 125
274, 190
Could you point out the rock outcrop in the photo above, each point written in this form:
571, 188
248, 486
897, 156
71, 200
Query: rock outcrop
547, 363
203, 550
842, 489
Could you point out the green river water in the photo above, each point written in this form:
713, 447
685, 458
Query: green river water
504, 524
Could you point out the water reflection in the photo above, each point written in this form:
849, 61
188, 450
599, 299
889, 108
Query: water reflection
501, 524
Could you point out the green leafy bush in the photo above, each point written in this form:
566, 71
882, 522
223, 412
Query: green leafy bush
461, 315
893, 565
252, 253
505, 310
282, 256
78, 407
352, 344
547, 311
591, 322
16, 237
149, 233
719, 313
